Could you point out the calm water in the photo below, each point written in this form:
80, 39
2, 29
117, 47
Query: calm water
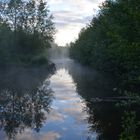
37, 104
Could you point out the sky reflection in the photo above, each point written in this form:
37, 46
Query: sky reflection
68, 115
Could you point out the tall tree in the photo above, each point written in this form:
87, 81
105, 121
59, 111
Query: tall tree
44, 22
14, 11
30, 26
111, 41
30, 16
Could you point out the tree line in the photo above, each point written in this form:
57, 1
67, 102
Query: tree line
26, 30
111, 41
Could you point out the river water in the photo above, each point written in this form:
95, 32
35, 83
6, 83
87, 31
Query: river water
37, 104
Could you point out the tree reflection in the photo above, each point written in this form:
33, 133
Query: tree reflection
103, 118
24, 99
19, 112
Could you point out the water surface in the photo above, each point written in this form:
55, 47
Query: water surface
40, 105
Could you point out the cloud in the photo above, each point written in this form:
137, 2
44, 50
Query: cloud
51, 136
66, 97
70, 16
54, 116
29, 135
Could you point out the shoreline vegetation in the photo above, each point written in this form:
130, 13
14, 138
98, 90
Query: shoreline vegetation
26, 31
111, 42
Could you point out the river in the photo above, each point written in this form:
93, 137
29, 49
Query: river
37, 104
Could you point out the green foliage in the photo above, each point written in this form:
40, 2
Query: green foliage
132, 99
40, 60
111, 41
26, 29
129, 126
130, 122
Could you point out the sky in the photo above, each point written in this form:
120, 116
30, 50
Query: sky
70, 16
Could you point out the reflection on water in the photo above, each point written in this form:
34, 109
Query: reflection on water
68, 115
20, 112
39, 105
24, 99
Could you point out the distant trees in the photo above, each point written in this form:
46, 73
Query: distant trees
26, 28
111, 42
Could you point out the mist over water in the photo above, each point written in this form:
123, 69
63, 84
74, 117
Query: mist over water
55, 104
56, 52
74, 86
68, 107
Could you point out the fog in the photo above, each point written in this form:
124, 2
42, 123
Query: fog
57, 52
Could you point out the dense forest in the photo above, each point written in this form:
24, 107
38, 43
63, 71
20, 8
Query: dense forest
111, 42
26, 30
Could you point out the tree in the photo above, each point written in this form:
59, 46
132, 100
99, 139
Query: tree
30, 26
111, 41
13, 12
45, 25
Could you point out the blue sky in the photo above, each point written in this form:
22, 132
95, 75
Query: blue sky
70, 16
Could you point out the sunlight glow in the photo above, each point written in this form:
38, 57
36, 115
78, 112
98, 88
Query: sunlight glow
70, 16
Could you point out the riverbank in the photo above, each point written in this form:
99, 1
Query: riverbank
110, 45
